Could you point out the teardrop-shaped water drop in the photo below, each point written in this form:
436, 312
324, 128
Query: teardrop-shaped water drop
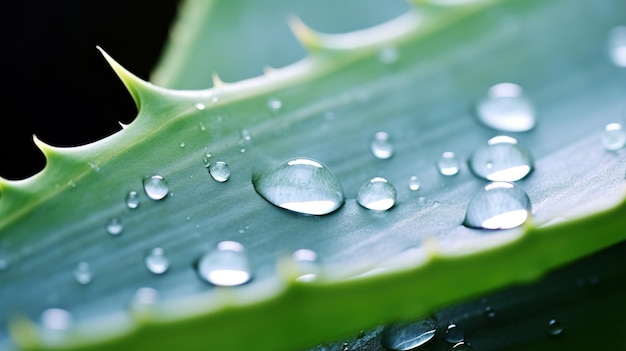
228, 265
156, 187
56, 319
614, 136
377, 194
301, 185
220, 171
448, 164
502, 159
617, 46
274, 104
156, 261
505, 108
554, 327
115, 226
499, 205
307, 264
83, 273
132, 199
407, 336
454, 334
414, 183
381, 146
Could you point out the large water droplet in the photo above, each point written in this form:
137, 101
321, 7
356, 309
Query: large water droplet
301, 185
83, 273
505, 108
614, 136
377, 194
114, 226
554, 327
381, 146
502, 159
228, 265
407, 336
220, 171
307, 264
448, 164
498, 205
132, 199
56, 319
156, 261
156, 187
617, 46
454, 334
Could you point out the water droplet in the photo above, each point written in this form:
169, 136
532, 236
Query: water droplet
381, 146
215, 99
156, 187
200, 106
377, 194
454, 334
228, 265
114, 226
617, 46
56, 319
388, 55
407, 336
206, 159
132, 199
499, 205
414, 183
461, 346
220, 171
83, 273
182, 145
505, 108
614, 136
274, 104
156, 261
490, 313
301, 185
307, 264
554, 327
502, 159
448, 164
94, 166
245, 135
145, 297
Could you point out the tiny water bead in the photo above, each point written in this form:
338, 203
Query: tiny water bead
501, 159
206, 159
156, 187
114, 226
489, 312
381, 146
200, 106
377, 194
414, 183
505, 108
301, 185
219, 171
275, 105
498, 205
461, 346
145, 296
617, 46
156, 261
307, 264
83, 273
56, 319
132, 199
554, 327
448, 164
407, 336
228, 265
454, 334
614, 136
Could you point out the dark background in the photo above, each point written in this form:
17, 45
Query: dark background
57, 86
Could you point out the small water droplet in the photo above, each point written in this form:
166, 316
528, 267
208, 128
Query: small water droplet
206, 159
502, 159
407, 336
307, 264
274, 104
499, 205
114, 226
414, 183
145, 296
301, 185
200, 106
156, 261
245, 135
461, 346
345, 346
182, 145
614, 136
215, 99
132, 199
377, 194
56, 319
454, 334
388, 55
448, 164
83, 273
156, 187
554, 327
490, 313
617, 46
228, 265
381, 146
220, 171
505, 108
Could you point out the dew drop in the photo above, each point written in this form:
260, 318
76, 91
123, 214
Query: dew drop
505, 108
499, 205
132, 199
614, 136
617, 46
156, 261
388, 55
407, 336
448, 164
220, 171
461, 346
182, 145
114, 226
83, 273
307, 264
454, 334
145, 297
156, 187
489, 312
245, 135
377, 194
56, 319
554, 327
228, 265
274, 104
502, 159
301, 185
206, 159
200, 106
414, 183
381, 146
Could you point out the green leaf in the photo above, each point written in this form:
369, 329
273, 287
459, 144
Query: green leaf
332, 102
